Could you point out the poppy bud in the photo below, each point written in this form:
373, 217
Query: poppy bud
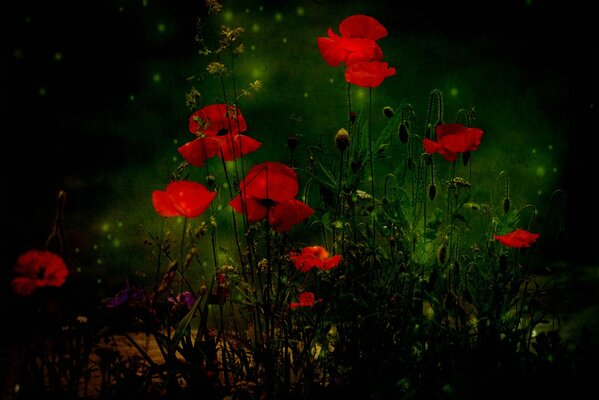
432, 191
403, 133
210, 181
506, 204
442, 254
388, 112
342, 139
352, 116
292, 142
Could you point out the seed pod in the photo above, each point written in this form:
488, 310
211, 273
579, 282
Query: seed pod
342, 139
403, 133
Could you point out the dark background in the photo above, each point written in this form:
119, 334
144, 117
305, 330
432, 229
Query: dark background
93, 98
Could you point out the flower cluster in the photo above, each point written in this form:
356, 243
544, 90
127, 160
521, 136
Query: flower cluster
358, 50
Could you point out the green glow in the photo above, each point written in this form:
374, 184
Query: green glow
109, 236
78, 269
77, 249
105, 227
331, 80
225, 185
306, 95
228, 16
256, 73
300, 11
247, 10
58, 56
18, 54
534, 151
175, 159
42, 91
253, 47
116, 243
99, 281
255, 28
95, 247
121, 8
120, 224
554, 169
454, 92
540, 171
220, 207
132, 97
99, 261
284, 40
161, 27
156, 77
175, 141
550, 147
278, 17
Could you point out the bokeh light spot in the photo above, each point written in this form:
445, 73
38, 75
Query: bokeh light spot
161, 27
550, 147
306, 95
228, 16
57, 56
253, 47
278, 17
105, 227
132, 97
116, 243
99, 281
95, 247
99, 261
284, 40
42, 91
454, 92
554, 169
256, 73
300, 11
534, 151
255, 28
331, 80
540, 171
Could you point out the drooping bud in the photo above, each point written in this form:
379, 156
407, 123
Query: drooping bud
210, 181
342, 139
442, 254
352, 116
388, 112
403, 133
432, 191
506, 204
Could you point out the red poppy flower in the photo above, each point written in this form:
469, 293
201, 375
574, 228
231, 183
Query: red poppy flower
218, 127
314, 256
368, 74
306, 299
182, 199
356, 43
38, 268
453, 139
269, 190
517, 239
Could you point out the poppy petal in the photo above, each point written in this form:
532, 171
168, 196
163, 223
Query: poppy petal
182, 198
23, 286
270, 180
213, 118
331, 262
284, 215
234, 146
430, 146
332, 52
254, 210
199, 150
362, 26
368, 74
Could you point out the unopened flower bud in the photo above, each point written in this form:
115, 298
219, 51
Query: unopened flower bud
388, 112
465, 158
432, 191
342, 139
506, 204
403, 133
442, 254
352, 116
